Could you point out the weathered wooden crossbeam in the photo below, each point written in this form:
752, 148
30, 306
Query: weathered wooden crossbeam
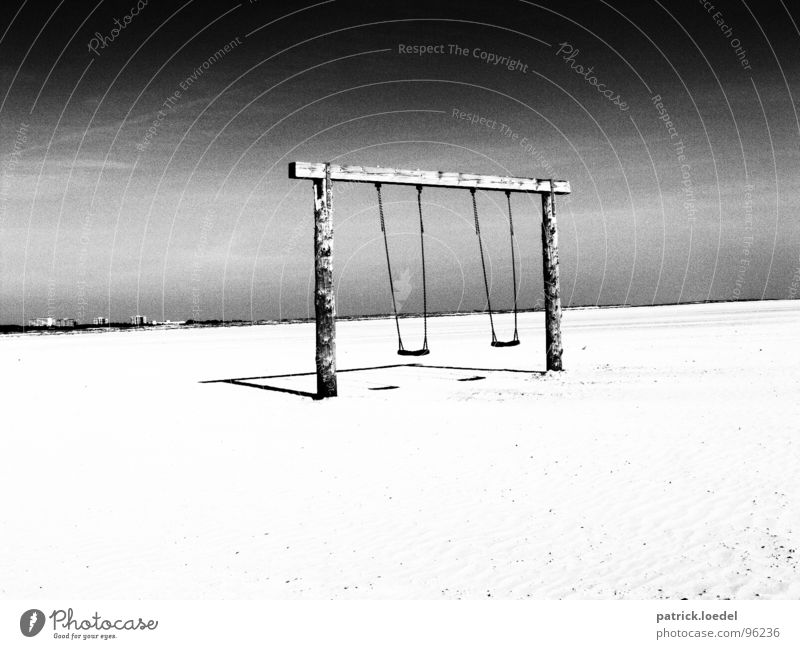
450, 179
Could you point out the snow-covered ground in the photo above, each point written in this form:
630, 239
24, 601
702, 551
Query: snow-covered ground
662, 463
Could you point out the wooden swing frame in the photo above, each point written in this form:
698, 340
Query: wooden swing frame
324, 174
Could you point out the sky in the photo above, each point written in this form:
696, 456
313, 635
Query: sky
145, 149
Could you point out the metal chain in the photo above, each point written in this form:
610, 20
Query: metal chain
424, 281
389, 265
483, 263
513, 263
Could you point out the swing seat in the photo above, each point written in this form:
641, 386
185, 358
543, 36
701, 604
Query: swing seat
413, 352
515, 340
401, 351
505, 343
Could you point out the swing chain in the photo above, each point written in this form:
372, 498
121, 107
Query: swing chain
513, 263
483, 263
475, 212
389, 266
515, 339
380, 207
424, 281
400, 348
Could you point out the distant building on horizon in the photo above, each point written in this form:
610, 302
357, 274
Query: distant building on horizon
138, 320
42, 322
59, 323
100, 321
168, 322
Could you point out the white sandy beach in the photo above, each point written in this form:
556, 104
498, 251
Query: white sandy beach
662, 463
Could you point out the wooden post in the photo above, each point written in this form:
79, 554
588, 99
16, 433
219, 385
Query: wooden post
552, 290
324, 307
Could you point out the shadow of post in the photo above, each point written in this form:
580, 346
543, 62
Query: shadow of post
247, 381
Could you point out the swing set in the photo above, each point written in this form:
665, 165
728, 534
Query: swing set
323, 174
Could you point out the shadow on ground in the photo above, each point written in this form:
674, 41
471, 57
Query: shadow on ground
250, 381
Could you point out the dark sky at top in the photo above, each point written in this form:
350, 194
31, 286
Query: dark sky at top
110, 207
